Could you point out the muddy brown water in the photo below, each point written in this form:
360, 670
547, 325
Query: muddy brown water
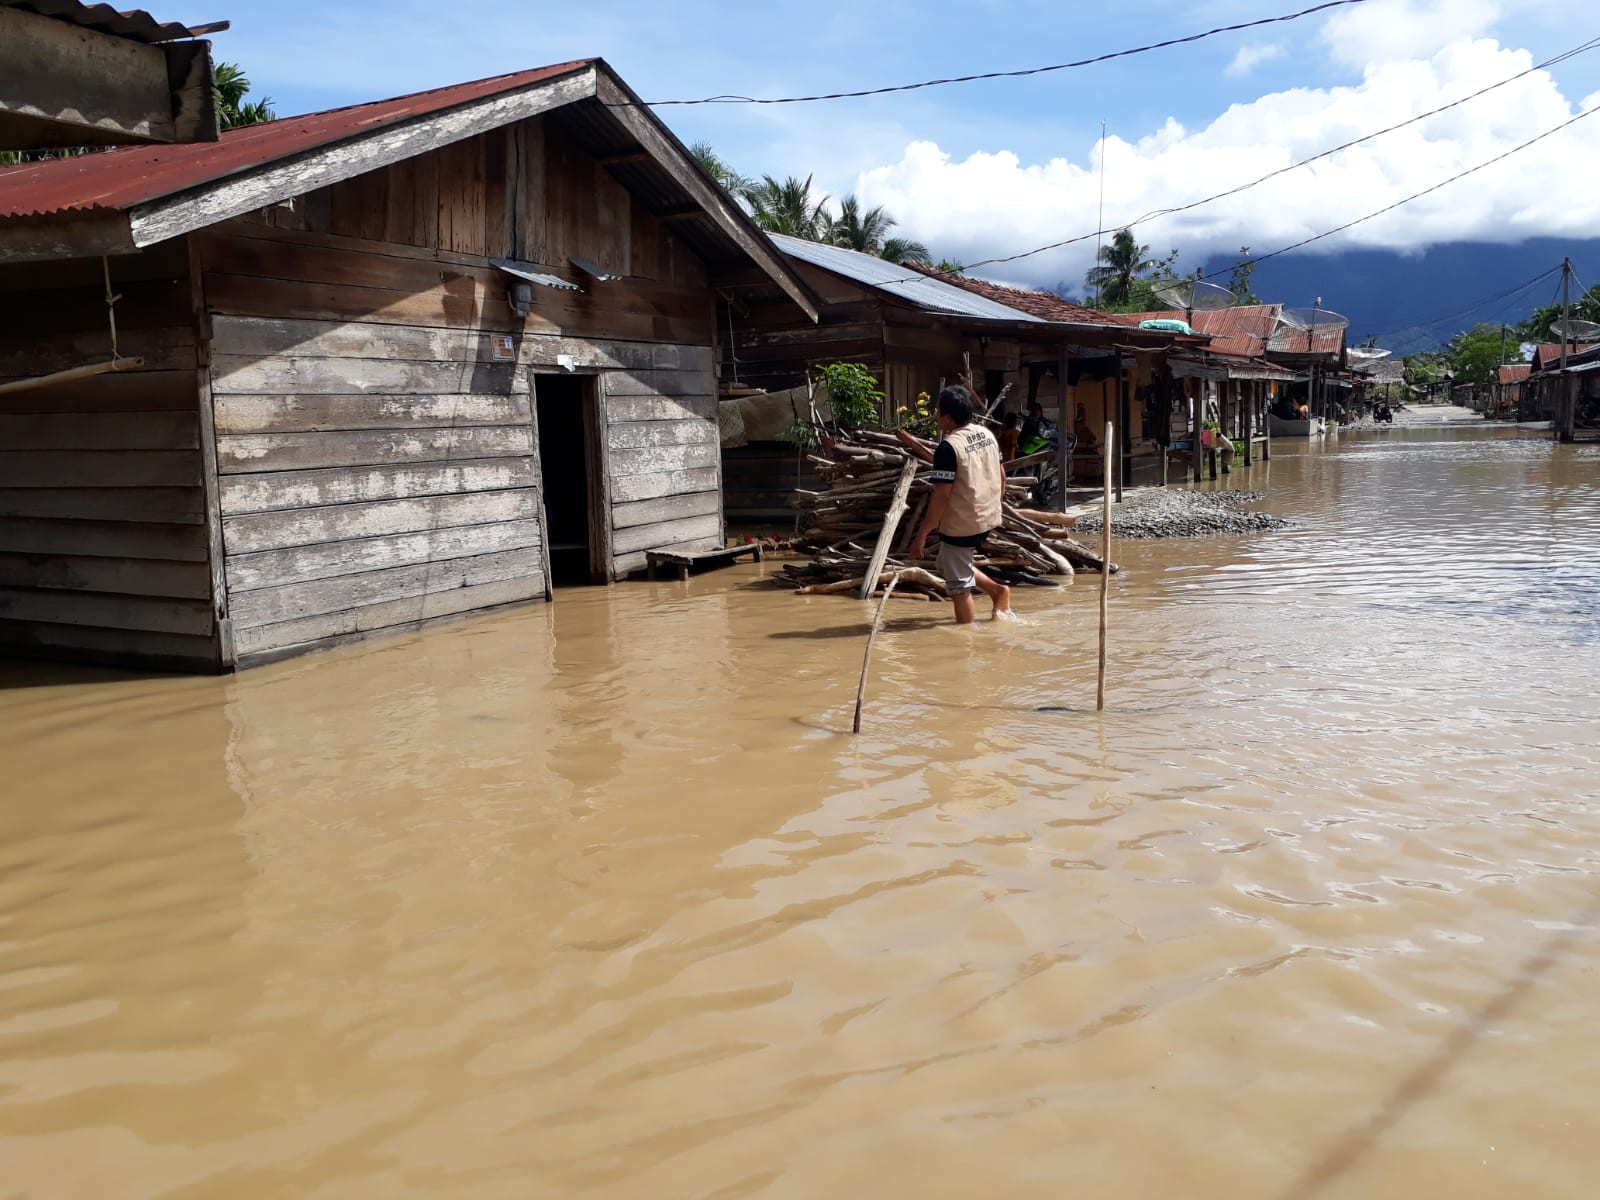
599, 900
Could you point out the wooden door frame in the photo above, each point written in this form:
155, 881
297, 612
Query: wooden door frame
597, 464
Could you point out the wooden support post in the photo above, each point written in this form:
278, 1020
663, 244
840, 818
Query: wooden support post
1266, 426
1105, 561
1196, 419
1063, 429
1123, 461
1249, 418
1211, 462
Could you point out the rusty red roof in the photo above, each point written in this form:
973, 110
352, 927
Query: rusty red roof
1307, 341
115, 180
1046, 305
1242, 332
1515, 372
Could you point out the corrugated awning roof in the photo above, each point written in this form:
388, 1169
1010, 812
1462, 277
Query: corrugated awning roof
115, 180
134, 24
931, 295
1243, 331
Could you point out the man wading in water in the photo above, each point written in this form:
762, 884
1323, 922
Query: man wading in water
968, 487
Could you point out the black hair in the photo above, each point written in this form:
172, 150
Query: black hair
1011, 420
956, 403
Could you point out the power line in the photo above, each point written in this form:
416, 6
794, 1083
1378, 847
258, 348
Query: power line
1388, 208
1439, 319
1085, 62
1150, 216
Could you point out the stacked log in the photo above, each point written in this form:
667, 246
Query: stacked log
841, 527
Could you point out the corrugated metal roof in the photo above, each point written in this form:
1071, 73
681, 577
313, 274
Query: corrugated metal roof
115, 180
1243, 331
1047, 306
1515, 372
133, 24
1307, 341
931, 295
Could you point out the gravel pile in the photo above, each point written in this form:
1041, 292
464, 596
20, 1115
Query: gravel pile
1164, 512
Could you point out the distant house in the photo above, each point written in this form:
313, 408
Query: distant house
87, 75
1232, 370
369, 367
1570, 395
1510, 378
914, 327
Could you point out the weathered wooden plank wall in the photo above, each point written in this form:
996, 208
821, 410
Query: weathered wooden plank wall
375, 445
103, 535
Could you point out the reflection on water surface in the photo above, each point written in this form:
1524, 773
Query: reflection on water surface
597, 900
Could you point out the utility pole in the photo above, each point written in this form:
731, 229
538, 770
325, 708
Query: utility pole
1499, 387
1563, 421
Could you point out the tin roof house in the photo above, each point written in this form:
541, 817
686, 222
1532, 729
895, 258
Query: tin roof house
352, 372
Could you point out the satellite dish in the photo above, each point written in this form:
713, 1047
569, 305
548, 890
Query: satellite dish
1361, 354
1574, 330
1195, 295
1313, 318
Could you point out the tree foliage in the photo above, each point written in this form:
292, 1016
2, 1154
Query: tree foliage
233, 85
788, 206
1476, 354
721, 170
868, 233
1120, 262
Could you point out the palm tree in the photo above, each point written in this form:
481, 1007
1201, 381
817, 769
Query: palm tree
788, 207
868, 233
718, 168
1123, 261
902, 250
232, 111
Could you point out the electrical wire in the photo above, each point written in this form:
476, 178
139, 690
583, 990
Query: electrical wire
1428, 191
1085, 62
1582, 48
1428, 322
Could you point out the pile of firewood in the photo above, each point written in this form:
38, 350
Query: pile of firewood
869, 479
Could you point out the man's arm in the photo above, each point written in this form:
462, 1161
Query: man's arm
914, 445
938, 503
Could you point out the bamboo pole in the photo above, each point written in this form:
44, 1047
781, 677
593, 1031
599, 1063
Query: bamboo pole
67, 376
1105, 557
866, 659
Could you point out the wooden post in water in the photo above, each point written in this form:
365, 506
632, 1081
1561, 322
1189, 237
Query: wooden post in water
1105, 563
866, 659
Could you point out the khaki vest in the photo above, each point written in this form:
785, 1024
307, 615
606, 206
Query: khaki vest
979, 487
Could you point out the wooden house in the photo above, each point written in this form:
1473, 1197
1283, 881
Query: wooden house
1231, 377
358, 370
914, 327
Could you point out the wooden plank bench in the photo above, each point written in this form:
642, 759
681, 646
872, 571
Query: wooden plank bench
684, 559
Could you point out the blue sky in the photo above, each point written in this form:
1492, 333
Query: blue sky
983, 169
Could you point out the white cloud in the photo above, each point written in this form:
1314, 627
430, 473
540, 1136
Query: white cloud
992, 204
1252, 55
1382, 31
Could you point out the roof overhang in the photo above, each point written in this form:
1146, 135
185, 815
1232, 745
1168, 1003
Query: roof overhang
601, 111
67, 84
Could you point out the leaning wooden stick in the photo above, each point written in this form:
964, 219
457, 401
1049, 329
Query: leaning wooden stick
1108, 449
866, 659
891, 522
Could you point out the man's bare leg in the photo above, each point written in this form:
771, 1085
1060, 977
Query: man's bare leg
966, 610
997, 592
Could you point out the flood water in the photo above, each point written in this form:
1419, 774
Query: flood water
599, 900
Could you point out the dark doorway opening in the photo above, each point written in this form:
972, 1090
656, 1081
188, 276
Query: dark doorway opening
567, 465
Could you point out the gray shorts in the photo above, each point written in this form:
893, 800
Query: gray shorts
955, 564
